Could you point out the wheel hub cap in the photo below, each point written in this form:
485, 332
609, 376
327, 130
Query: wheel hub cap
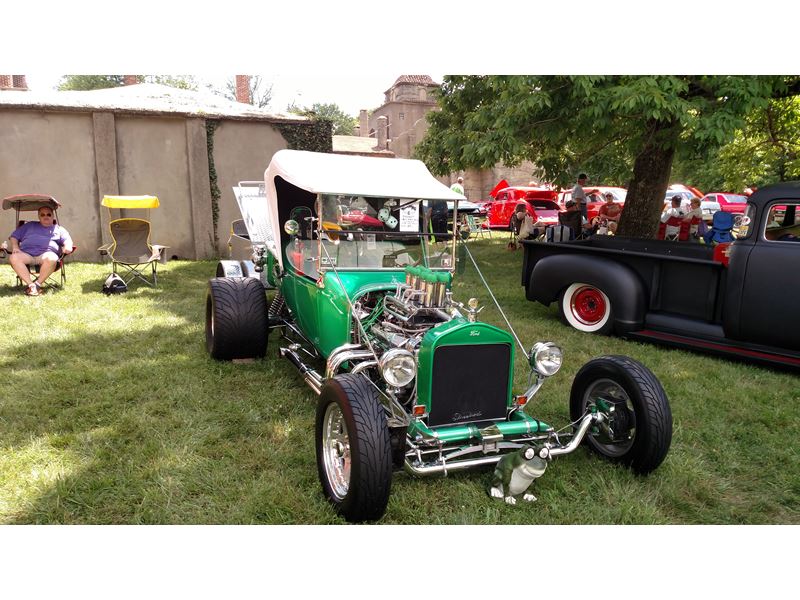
588, 305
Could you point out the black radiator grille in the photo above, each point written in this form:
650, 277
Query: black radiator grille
470, 383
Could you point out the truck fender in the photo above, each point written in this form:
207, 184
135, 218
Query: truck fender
553, 274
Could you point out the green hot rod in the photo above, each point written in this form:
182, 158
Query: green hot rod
362, 264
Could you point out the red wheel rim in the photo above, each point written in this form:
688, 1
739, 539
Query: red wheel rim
588, 305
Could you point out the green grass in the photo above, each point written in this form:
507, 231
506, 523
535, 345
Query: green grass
111, 412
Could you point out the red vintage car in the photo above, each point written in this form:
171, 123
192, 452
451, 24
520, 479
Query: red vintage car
594, 198
535, 199
732, 203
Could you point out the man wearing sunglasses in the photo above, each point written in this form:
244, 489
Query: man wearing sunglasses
40, 244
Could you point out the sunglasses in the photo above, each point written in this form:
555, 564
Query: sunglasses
46, 214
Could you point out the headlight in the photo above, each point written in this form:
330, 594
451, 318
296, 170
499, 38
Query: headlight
546, 358
398, 367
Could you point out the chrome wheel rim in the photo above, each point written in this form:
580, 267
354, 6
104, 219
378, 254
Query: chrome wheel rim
336, 451
617, 434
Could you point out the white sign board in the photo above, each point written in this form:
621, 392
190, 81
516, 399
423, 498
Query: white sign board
409, 217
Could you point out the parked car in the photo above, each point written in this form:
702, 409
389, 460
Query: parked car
732, 203
708, 208
406, 376
679, 187
736, 298
595, 198
483, 207
507, 199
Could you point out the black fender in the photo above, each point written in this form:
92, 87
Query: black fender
553, 274
241, 268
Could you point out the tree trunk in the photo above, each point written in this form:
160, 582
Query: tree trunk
648, 186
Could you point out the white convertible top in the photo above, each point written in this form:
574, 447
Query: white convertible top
322, 173
357, 175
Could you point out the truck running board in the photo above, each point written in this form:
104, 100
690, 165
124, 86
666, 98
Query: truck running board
724, 347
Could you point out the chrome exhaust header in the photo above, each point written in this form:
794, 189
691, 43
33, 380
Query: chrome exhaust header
311, 377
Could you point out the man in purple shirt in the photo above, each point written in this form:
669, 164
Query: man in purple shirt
40, 244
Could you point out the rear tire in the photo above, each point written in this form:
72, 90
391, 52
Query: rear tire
631, 396
354, 456
236, 318
586, 308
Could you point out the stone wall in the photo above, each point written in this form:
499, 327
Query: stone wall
78, 157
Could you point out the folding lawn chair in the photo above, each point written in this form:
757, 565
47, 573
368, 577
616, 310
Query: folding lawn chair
130, 248
721, 227
476, 227
32, 203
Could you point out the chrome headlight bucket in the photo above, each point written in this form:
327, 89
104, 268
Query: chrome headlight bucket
398, 367
546, 358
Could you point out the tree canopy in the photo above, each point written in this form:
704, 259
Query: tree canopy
618, 129
99, 82
342, 123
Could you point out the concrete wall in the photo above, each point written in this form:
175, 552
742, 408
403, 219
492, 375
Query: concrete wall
242, 151
51, 153
79, 156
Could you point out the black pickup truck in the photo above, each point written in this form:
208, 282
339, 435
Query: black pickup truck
741, 298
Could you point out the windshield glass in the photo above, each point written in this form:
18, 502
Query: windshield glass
735, 199
362, 232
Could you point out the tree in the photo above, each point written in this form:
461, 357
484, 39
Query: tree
89, 82
260, 93
98, 82
342, 123
615, 128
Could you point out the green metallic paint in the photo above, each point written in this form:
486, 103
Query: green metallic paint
457, 332
323, 314
518, 424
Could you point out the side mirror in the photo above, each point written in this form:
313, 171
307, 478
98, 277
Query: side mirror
291, 227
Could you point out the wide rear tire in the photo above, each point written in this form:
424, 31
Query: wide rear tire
632, 398
236, 318
354, 458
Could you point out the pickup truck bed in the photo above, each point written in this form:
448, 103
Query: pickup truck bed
736, 299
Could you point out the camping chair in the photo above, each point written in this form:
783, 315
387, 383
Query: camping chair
721, 226
130, 248
573, 220
32, 203
476, 227
673, 236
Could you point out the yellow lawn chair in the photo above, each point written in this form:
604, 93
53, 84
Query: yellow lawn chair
130, 248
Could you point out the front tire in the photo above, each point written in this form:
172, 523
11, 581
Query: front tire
586, 308
354, 458
236, 318
638, 432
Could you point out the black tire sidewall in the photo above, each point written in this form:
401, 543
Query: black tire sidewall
370, 448
650, 404
238, 307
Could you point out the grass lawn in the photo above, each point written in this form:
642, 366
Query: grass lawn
111, 412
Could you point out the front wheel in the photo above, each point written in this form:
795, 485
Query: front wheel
586, 308
637, 430
354, 455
